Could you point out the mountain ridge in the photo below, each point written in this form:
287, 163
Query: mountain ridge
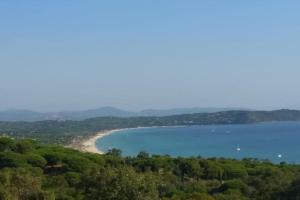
14, 115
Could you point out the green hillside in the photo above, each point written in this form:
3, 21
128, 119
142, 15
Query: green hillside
31, 171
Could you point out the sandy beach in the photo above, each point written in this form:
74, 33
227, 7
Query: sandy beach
89, 145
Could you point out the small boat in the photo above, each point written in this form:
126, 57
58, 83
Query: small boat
238, 148
279, 155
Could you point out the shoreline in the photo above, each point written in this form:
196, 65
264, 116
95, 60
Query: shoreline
89, 144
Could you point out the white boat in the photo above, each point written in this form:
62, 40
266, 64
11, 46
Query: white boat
238, 148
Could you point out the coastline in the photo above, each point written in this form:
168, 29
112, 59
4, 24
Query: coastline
89, 144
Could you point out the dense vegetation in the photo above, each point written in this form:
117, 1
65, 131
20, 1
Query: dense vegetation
31, 171
63, 132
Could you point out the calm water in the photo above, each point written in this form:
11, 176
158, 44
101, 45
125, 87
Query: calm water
265, 141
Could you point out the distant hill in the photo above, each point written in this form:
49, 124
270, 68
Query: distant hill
100, 112
31, 116
180, 111
51, 131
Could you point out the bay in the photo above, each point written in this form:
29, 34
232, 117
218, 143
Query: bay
275, 141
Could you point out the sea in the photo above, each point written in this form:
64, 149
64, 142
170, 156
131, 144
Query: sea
274, 141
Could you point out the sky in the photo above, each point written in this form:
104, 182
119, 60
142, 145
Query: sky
136, 54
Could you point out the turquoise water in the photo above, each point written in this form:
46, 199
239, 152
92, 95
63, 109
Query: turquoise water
264, 141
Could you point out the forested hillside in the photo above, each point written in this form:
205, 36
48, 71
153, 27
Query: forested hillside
31, 171
63, 132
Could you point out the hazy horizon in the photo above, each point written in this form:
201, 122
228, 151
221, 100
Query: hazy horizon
144, 109
124, 109
135, 55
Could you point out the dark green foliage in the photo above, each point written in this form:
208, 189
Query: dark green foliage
123, 183
114, 152
76, 163
24, 146
293, 191
143, 155
21, 183
36, 160
236, 184
31, 171
52, 158
6, 144
12, 159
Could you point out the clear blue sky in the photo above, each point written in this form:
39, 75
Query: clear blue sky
65, 55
